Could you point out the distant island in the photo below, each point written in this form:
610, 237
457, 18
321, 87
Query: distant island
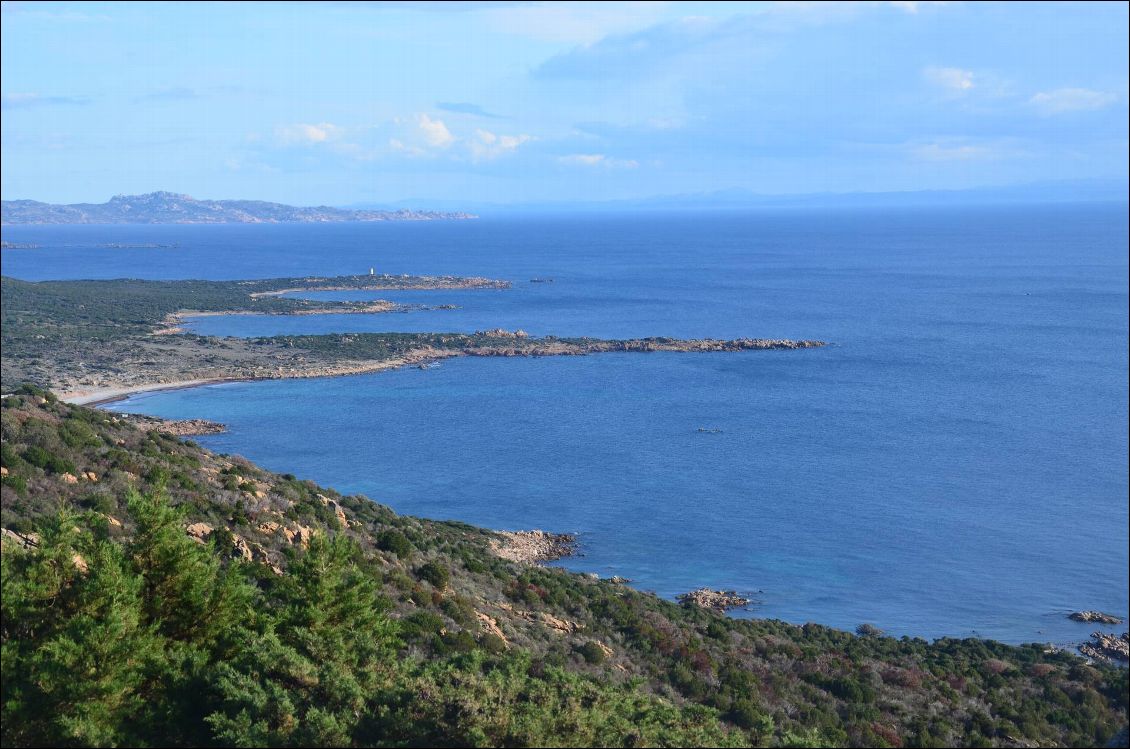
173, 208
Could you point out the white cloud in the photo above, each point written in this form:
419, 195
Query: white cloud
597, 159
396, 144
913, 6
1071, 100
943, 152
20, 101
952, 79
822, 11
487, 145
574, 23
302, 134
434, 132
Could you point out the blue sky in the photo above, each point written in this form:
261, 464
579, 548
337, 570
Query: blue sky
343, 103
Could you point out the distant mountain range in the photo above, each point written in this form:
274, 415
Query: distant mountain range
171, 208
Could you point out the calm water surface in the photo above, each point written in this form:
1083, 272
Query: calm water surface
954, 464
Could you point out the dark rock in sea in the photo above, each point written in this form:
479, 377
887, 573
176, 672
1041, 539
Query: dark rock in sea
1095, 617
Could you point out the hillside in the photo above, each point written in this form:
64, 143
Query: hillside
172, 208
206, 601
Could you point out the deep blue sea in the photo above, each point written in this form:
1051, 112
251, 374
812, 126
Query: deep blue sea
954, 464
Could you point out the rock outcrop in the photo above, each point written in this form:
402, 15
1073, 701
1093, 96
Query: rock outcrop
1107, 647
200, 532
177, 428
533, 547
490, 626
339, 512
717, 600
502, 333
1095, 617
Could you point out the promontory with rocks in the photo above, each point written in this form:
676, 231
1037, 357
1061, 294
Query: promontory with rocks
94, 341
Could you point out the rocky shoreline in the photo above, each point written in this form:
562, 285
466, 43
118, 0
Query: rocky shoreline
533, 547
175, 427
186, 362
1107, 647
390, 283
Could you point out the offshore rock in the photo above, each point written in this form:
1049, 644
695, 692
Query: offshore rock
716, 600
1095, 617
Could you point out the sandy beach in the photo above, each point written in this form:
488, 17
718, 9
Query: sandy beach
100, 396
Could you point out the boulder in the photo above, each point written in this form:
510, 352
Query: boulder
200, 532
339, 512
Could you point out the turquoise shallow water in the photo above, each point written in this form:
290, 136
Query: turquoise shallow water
954, 464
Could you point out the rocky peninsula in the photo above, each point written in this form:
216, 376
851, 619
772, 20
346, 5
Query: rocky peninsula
98, 340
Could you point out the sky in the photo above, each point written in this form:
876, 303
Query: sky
380, 102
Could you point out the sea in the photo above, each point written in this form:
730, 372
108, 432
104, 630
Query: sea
953, 464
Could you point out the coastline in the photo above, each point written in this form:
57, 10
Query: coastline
503, 345
106, 395
174, 321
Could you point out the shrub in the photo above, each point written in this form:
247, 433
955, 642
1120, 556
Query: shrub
435, 573
394, 541
421, 624
18, 483
745, 713
49, 462
102, 503
8, 456
592, 653
492, 643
